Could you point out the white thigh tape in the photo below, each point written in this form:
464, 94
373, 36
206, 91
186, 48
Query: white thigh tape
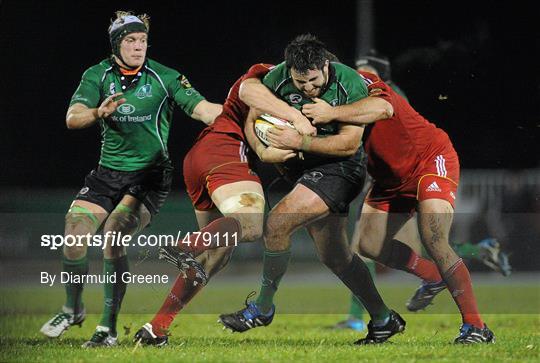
232, 204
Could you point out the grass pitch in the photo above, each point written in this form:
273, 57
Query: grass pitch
293, 336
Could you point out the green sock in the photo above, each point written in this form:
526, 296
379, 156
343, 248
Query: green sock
274, 267
114, 293
467, 250
74, 291
356, 309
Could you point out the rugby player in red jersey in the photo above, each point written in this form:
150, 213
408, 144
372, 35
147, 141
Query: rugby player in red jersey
415, 168
228, 200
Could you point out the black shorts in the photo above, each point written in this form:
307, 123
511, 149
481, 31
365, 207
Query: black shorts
338, 183
106, 187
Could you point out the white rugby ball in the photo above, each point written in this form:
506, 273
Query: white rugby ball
265, 122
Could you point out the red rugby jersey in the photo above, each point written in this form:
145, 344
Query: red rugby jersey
233, 116
398, 147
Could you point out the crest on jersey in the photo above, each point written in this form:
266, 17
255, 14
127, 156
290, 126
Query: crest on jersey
112, 88
184, 82
144, 91
126, 109
295, 98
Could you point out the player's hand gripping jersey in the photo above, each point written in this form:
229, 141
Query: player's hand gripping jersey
135, 136
406, 151
344, 86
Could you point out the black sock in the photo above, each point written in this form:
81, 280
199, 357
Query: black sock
358, 279
399, 255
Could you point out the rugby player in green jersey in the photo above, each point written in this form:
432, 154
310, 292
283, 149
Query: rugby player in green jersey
131, 97
325, 182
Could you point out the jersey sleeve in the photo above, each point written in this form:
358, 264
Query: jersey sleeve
376, 86
184, 95
353, 84
88, 92
276, 77
258, 70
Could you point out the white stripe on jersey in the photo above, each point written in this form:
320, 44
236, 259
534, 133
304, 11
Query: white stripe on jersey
440, 163
243, 152
367, 81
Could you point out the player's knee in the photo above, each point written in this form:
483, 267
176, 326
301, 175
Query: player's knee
251, 233
248, 209
80, 222
278, 225
368, 250
125, 222
75, 252
252, 227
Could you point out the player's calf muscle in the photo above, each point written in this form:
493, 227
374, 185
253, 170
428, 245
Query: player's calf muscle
336, 261
215, 260
434, 226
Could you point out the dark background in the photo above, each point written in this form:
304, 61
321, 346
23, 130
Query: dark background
472, 68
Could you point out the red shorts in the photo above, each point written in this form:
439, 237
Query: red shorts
438, 179
216, 159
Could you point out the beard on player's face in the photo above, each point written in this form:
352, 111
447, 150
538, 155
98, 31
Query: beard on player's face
312, 82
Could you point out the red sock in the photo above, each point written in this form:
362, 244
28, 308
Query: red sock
459, 284
219, 233
179, 295
423, 268
402, 257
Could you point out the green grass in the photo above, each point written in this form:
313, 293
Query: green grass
291, 337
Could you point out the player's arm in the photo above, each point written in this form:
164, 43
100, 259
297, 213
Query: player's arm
80, 116
255, 94
266, 154
206, 111
343, 144
365, 111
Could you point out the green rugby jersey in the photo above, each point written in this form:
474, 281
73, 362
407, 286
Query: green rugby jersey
135, 136
344, 86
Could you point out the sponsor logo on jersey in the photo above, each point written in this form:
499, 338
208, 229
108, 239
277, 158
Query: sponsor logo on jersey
126, 109
144, 91
112, 88
184, 82
433, 187
314, 176
295, 98
127, 118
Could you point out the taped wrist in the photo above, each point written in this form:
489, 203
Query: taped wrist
306, 142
